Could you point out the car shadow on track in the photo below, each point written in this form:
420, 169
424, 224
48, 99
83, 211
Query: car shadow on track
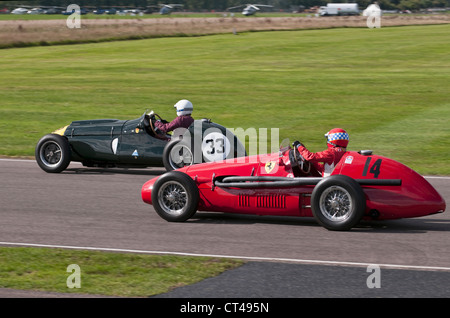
406, 226
102, 171
231, 218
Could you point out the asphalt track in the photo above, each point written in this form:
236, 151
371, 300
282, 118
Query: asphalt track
287, 257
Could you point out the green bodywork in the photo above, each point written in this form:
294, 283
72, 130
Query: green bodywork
92, 142
113, 142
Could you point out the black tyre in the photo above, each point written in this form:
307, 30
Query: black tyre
338, 203
53, 153
175, 196
177, 154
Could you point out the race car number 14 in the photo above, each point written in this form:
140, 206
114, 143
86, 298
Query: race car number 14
375, 168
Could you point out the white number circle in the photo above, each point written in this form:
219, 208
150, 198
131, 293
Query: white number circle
215, 146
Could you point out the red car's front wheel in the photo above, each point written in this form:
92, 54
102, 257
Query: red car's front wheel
175, 196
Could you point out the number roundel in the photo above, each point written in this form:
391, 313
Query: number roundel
215, 146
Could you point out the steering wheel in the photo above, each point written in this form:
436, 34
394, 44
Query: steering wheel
151, 124
297, 160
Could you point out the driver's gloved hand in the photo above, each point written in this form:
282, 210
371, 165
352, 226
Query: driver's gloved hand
164, 121
296, 144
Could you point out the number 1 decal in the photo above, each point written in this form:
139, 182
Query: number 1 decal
375, 169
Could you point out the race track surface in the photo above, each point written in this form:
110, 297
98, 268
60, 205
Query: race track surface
289, 257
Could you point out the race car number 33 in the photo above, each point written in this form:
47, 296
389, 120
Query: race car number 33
215, 146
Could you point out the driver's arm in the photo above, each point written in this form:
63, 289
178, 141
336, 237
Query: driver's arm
165, 127
322, 156
318, 159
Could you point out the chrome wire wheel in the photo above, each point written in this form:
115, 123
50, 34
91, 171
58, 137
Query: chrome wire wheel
336, 204
173, 198
50, 154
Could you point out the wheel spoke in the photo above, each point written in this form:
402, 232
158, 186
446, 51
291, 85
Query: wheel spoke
335, 203
51, 153
173, 198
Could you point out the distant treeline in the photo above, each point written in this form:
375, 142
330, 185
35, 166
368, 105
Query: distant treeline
222, 5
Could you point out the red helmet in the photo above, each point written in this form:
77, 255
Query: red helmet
337, 137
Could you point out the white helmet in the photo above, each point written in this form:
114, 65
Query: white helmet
184, 107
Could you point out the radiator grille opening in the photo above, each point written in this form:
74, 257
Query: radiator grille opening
244, 200
271, 201
263, 200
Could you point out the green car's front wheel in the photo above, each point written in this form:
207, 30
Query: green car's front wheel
53, 153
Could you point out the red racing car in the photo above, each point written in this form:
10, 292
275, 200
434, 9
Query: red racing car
362, 186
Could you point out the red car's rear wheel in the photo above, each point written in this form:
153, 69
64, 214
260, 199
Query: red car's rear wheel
338, 203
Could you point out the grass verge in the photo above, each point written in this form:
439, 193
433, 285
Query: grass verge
104, 273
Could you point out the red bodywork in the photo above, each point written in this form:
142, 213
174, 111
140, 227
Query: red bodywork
401, 192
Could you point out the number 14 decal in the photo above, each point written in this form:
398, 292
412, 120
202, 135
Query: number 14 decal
375, 169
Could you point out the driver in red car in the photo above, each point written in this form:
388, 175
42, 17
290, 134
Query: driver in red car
325, 161
183, 119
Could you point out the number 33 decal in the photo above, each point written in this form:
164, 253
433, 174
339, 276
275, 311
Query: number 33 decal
218, 144
375, 168
215, 146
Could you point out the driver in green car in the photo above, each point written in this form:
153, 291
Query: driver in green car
183, 119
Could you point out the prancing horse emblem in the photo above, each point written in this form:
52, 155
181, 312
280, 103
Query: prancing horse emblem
269, 166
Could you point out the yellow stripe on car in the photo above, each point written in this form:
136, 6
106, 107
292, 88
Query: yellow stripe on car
60, 131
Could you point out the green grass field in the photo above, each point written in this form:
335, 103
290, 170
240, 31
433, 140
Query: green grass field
388, 87
111, 274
